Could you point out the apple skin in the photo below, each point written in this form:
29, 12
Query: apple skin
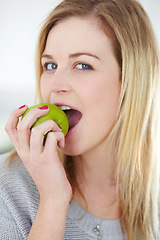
55, 114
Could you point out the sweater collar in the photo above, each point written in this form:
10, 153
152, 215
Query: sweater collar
92, 225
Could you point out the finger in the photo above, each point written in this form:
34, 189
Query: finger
39, 132
11, 126
53, 140
31, 117
24, 127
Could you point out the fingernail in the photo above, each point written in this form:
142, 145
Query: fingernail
60, 127
43, 107
22, 106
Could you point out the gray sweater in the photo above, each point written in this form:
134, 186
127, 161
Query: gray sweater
19, 203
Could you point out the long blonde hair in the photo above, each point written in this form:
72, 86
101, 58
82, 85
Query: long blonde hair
135, 134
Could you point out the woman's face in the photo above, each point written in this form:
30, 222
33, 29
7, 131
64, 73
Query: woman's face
80, 71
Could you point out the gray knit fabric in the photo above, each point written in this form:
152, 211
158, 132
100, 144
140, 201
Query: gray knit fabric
19, 203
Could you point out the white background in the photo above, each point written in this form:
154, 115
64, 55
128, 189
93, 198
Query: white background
20, 22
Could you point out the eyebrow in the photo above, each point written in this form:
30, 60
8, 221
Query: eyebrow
46, 56
78, 54
74, 55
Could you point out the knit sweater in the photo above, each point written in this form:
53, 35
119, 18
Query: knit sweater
19, 200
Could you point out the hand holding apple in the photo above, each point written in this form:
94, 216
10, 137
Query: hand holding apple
42, 161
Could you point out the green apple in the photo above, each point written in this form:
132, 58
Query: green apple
55, 114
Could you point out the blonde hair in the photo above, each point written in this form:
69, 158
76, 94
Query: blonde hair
135, 134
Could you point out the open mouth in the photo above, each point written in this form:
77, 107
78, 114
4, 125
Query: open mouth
73, 116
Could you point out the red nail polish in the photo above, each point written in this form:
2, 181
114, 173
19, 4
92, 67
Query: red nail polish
43, 107
60, 127
22, 106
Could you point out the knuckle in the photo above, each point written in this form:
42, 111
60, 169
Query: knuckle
9, 128
51, 135
22, 128
35, 130
50, 123
61, 134
6, 128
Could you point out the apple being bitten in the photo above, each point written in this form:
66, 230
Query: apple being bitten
55, 114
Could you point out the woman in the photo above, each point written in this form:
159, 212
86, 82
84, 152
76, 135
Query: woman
97, 58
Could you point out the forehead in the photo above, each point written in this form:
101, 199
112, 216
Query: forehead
77, 33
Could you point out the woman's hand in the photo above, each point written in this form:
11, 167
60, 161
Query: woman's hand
41, 161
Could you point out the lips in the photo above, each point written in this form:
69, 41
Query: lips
73, 115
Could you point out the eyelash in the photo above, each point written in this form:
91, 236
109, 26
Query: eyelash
89, 67
47, 64
84, 66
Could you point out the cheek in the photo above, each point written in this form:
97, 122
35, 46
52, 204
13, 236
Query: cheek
103, 93
104, 101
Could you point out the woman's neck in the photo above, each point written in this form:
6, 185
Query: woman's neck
96, 179
102, 202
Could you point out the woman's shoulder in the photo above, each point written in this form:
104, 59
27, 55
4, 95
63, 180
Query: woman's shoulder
19, 198
16, 185
13, 175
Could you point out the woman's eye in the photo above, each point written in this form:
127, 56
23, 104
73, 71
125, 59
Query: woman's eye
50, 66
84, 66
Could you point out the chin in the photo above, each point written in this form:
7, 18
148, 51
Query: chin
71, 150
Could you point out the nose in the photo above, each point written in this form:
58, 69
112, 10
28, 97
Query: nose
61, 82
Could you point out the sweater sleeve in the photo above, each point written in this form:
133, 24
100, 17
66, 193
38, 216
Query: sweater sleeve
8, 227
18, 200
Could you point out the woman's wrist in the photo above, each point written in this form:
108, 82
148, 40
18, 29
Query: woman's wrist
54, 203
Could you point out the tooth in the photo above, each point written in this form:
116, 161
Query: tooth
64, 108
